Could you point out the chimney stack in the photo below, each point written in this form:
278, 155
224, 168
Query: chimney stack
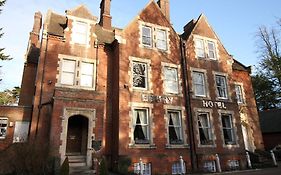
105, 18
37, 23
165, 7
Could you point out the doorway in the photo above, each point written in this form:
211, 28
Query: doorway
77, 135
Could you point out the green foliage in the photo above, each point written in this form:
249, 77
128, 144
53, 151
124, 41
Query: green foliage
103, 167
123, 165
64, 170
10, 97
267, 83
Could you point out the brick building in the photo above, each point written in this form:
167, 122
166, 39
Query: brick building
145, 93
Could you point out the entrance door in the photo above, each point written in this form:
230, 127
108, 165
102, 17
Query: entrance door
77, 135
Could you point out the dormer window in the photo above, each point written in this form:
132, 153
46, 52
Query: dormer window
80, 32
154, 37
205, 48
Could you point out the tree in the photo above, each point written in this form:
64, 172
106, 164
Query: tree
10, 97
267, 83
2, 55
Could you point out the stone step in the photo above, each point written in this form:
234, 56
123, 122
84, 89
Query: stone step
83, 170
76, 158
77, 164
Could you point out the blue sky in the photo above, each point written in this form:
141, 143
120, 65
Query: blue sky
234, 21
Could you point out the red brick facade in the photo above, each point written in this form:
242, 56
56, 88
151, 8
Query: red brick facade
128, 100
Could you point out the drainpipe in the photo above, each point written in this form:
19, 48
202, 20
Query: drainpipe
187, 92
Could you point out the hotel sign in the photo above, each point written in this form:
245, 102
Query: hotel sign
156, 98
213, 104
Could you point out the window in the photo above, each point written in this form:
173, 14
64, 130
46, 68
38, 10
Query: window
198, 79
141, 126
177, 168
205, 133
80, 32
3, 127
210, 166
233, 164
146, 36
68, 72
77, 73
144, 167
175, 127
199, 47
140, 75
161, 42
205, 48
228, 130
221, 86
239, 94
211, 50
87, 74
21, 131
171, 80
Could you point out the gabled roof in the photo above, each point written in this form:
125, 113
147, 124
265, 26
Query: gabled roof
81, 11
56, 23
270, 121
240, 67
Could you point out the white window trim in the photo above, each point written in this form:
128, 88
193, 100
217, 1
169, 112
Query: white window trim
210, 111
163, 64
76, 78
243, 93
89, 24
5, 118
154, 29
234, 123
132, 143
17, 139
204, 71
149, 74
206, 49
183, 125
227, 86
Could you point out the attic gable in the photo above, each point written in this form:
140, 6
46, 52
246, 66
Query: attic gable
153, 14
81, 11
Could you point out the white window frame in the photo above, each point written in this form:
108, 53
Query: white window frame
167, 81
230, 128
145, 166
77, 34
4, 128
77, 72
142, 125
154, 37
148, 37
224, 87
67, 72
239, 91
209, 127
180, 126
177, 169
204, 51
196, 84
210, 166
161, 43
233, 164
145, 76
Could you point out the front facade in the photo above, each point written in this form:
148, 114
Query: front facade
142, 94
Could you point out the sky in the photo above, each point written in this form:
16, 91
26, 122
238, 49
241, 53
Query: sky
236, 23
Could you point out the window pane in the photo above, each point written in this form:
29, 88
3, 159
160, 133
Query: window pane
146, 36
87, 68
221, 86
68, 65
3, 127
161, 40
139, 75
171, 80
80, 33
86, 80
67, 78
199, 47
228, 130
239, 94
199, 83
175, 128
21, 131
212, 49
204, 129
141, 126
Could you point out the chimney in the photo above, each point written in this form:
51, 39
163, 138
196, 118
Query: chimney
105, 18
165, 7
37, 23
